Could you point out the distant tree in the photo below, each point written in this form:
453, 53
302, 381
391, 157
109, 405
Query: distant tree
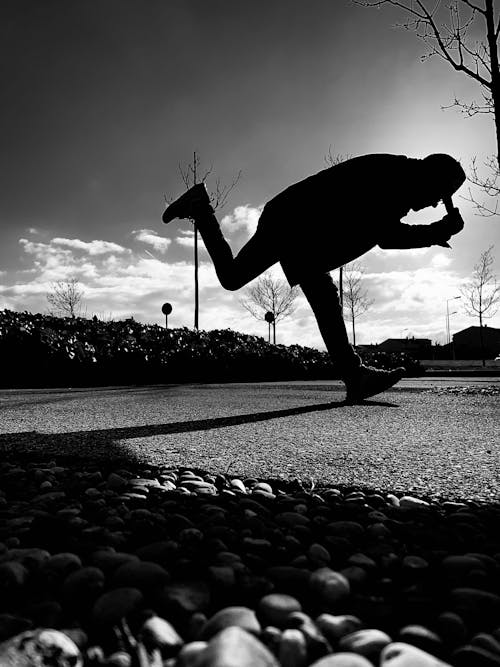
481, 293
464, 34
191, 174
270, 295
356, 300
66, 297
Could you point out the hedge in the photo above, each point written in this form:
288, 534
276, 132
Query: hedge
44, 351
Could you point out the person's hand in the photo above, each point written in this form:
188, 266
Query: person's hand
444, 229
453, 221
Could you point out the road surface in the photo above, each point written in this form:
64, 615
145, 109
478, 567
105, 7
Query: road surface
429, 437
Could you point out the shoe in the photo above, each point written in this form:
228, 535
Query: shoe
367, 381
187, 205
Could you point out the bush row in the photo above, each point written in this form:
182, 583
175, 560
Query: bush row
46, 351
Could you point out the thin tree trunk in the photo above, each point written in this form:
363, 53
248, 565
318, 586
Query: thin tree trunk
481, 342
353, 333
495, 72
196, 293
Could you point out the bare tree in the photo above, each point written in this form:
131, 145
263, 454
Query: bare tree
481, 293
270, 295
191, 174
66, 297
356, 300
449, 32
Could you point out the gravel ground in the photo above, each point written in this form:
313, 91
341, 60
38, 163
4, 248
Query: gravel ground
177, 568
242, 525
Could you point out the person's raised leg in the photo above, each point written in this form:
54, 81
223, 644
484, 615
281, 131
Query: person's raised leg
361, 381
233, 272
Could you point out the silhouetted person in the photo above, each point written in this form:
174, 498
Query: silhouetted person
326, 221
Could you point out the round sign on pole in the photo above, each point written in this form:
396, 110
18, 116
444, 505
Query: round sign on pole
269, 317
166, 309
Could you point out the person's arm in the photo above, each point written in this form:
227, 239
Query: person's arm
402, 236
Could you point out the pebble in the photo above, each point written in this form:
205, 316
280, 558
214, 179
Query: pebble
421, 637
158, 633
336, 627
400, 654
89, 549
475, 656
292, 649
275, 608
190, 654
114, 605
144, 575
343, 659
234, 647
329, 586
410, 502
40, 647
368, 643
242, 617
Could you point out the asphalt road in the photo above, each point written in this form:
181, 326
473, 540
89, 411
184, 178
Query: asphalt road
425, 436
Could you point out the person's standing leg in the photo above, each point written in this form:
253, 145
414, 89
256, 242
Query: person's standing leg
323, 297
361, 381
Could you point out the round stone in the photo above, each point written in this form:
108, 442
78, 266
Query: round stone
242, 617
235, 646
83, 586
328, 586
292, 649
410, 502
144, 575
336, 627
115, 605
274, 609
451, 628
40, 647
400, 654
343, 659
421, 637
368, 643
158, 633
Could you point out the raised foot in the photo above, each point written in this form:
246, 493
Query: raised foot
188, 205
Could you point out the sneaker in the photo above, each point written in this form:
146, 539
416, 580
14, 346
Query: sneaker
188, 204
367, 381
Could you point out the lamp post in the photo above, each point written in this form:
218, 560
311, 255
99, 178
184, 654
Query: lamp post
448, 336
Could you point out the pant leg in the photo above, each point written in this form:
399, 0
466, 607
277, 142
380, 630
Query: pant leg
253, 259
322, 295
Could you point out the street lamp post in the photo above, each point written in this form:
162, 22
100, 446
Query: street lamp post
448, 333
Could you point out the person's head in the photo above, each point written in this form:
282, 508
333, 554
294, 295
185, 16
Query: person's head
439, 176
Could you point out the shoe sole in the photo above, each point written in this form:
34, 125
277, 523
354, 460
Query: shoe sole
398, 375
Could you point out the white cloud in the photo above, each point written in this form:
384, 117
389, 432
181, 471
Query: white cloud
243, 217
150, 237
440, 260
410, 299
185, 238
91, 247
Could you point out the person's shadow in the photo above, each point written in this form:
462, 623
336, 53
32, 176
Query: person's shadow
106, 443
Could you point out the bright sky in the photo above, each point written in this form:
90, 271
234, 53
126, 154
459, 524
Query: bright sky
103, 100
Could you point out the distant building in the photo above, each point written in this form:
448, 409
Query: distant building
467, 343
418, 348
